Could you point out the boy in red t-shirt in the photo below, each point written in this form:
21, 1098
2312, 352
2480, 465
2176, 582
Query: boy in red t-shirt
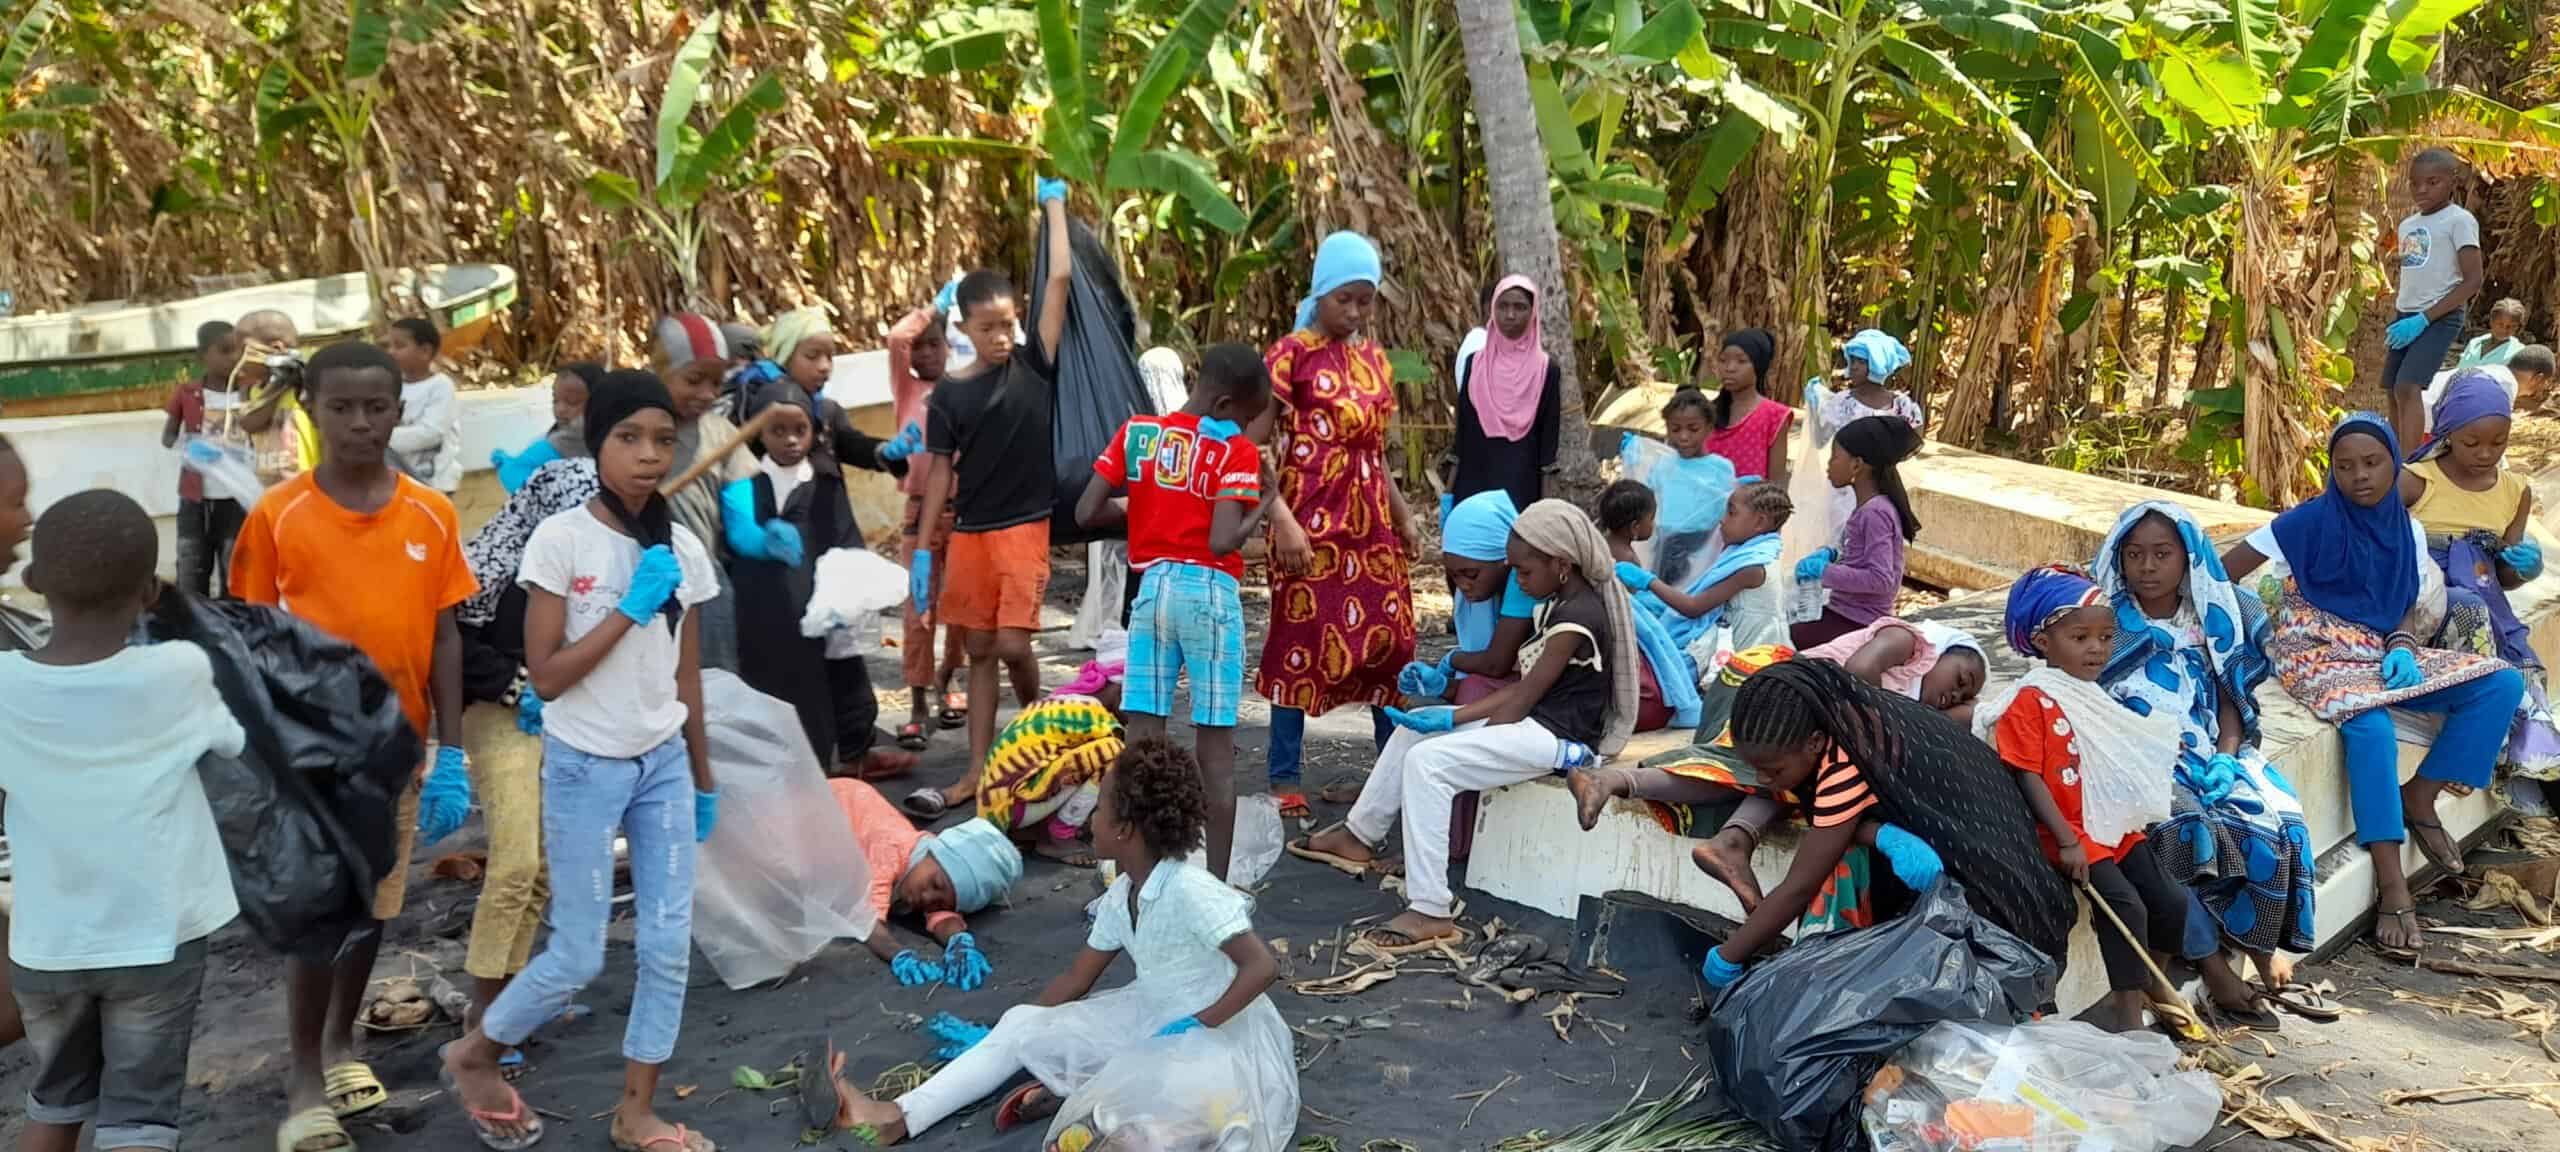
1194, 482
205, 526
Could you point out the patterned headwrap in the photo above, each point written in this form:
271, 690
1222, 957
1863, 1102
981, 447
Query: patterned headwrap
2040, 597
684, 337
2234, 624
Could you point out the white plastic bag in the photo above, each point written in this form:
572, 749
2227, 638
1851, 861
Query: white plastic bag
850, 590
2045, 1086
1256, 846
229, 469
1202, 1091
1689, 497
781, 876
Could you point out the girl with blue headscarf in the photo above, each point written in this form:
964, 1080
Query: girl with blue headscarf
2346, 644
1492, 613
1341, 534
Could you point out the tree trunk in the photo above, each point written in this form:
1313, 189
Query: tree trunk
2173, 324
1524, 219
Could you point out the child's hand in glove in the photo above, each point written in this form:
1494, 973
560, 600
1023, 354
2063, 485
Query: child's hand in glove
2404, 331
1420, 678
1720, 972
1634, 576
914, 971
1428, 721
706, 812
2400, 670
1810, 569
1914, 862
652, 583
782, 541
446, 798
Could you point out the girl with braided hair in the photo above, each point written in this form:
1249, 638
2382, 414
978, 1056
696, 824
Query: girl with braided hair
1852, 751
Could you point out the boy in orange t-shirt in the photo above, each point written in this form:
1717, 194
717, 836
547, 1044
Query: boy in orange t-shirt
373, 558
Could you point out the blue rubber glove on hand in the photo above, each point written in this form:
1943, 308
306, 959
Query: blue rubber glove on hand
1720, 972
2404, 331
528, 711
1178, 1027
949, 298
2525, 557
445, 800
652, 582
1635, 576
920, 582
903, 445
782, 541
958, 1036
706, 812
1428, 721
2214, 782
2400, 670
1048, 190
914, 971
1913, 860
1420, 679
963, 966
1811, 568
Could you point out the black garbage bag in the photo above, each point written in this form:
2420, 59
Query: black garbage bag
1795, 1040
308, 810
1097, 371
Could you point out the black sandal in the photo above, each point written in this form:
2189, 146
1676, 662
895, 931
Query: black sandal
2410, 915
924, 804
2452, 867
911, 736
2305, 1001
2257, 1017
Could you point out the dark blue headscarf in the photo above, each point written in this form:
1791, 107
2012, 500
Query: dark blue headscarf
2358, 564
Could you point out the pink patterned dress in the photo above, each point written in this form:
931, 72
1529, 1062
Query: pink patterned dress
1341, 630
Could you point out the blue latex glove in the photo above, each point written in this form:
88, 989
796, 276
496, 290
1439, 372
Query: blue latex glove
2400, 670
1809, 570
514, 470
2405, 330
1421, 679
1178, 1027
706, 812
2525, 557
1720, 972
1212, 428
1428, 721
528, 711
738, 524
652, 582
920, 581
782, 542
914, 971
949, 298
1635, 576
903, 445
1448, 504
2214, 782
958, 1036
1048, 190
446, 798
963, 966
1913, 860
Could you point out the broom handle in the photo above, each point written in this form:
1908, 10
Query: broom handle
705, 462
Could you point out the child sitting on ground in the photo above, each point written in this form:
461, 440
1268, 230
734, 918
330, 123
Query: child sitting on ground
938, 876
2095, 773
1044, 773
120, 873
1737, 587
1576, 696
2501, 342
428, 444
1193, 480
206, 524
1861, 577
1626, 518
566, 440
1199, 967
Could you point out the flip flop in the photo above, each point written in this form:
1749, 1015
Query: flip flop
352, 1089
1293, 805
1510, 951
2452, 866
685, 1140
313, 1130
924, 804
955, 709
2305, 1001
2257, 1017
517, 1115
1303, 848
2411, 918
1549, 976
1030, 1103
1370, 943
911, 736
819, 1102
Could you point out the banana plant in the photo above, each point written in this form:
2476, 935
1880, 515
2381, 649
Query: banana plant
1113, 155
29, 100
692, 166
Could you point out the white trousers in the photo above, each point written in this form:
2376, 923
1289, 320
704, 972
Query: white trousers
1420, 777
1106, 583
975, 1075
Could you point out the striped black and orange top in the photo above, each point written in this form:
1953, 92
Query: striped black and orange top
1840, 792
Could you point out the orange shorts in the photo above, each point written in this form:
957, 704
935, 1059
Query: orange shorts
996, 579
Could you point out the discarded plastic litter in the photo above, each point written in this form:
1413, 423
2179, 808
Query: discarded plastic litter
2046, 1086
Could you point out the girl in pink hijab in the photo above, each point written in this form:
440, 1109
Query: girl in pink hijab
1507, 403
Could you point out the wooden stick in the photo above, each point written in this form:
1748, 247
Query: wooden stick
706, 461
2498, 971
2189, 1028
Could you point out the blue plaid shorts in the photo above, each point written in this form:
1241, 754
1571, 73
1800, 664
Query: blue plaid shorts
1188, 618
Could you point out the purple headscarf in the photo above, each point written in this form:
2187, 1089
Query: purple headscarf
2470, 396
2040, 595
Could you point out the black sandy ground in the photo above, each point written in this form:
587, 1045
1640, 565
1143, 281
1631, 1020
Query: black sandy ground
1397, 1063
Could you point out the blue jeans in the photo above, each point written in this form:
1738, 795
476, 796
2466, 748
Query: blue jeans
584, 799
1289, 739
2477, 714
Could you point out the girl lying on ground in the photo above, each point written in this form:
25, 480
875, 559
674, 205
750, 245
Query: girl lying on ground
2095, 773
1044, 774
938, 876
2190, 645
2346, 644
1576, 693
1199, 966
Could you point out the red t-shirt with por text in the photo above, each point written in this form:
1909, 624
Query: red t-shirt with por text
1175, 478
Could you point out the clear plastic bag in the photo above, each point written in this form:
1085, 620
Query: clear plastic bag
1256, 846
229, 468
1203, 1091
2046, 1086
781, 876
1689, 498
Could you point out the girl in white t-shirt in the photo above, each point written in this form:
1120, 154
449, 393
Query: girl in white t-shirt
611, 644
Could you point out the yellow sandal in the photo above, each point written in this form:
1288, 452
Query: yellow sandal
353, 1089
313, 1130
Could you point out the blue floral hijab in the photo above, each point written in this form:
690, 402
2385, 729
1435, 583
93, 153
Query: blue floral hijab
2234, 625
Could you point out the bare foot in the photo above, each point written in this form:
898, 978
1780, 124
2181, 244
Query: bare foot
482, 1088
1071, 853
887, 1122
883, 763
2120, 1012
1338, 841
1727, 857
1416, 927
2395, 927
2225, 986
1592, 790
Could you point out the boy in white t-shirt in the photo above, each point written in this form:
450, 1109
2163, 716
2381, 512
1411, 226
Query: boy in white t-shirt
2440, 271
428, 443
120, 872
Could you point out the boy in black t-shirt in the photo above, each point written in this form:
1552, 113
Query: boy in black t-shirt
989, 432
